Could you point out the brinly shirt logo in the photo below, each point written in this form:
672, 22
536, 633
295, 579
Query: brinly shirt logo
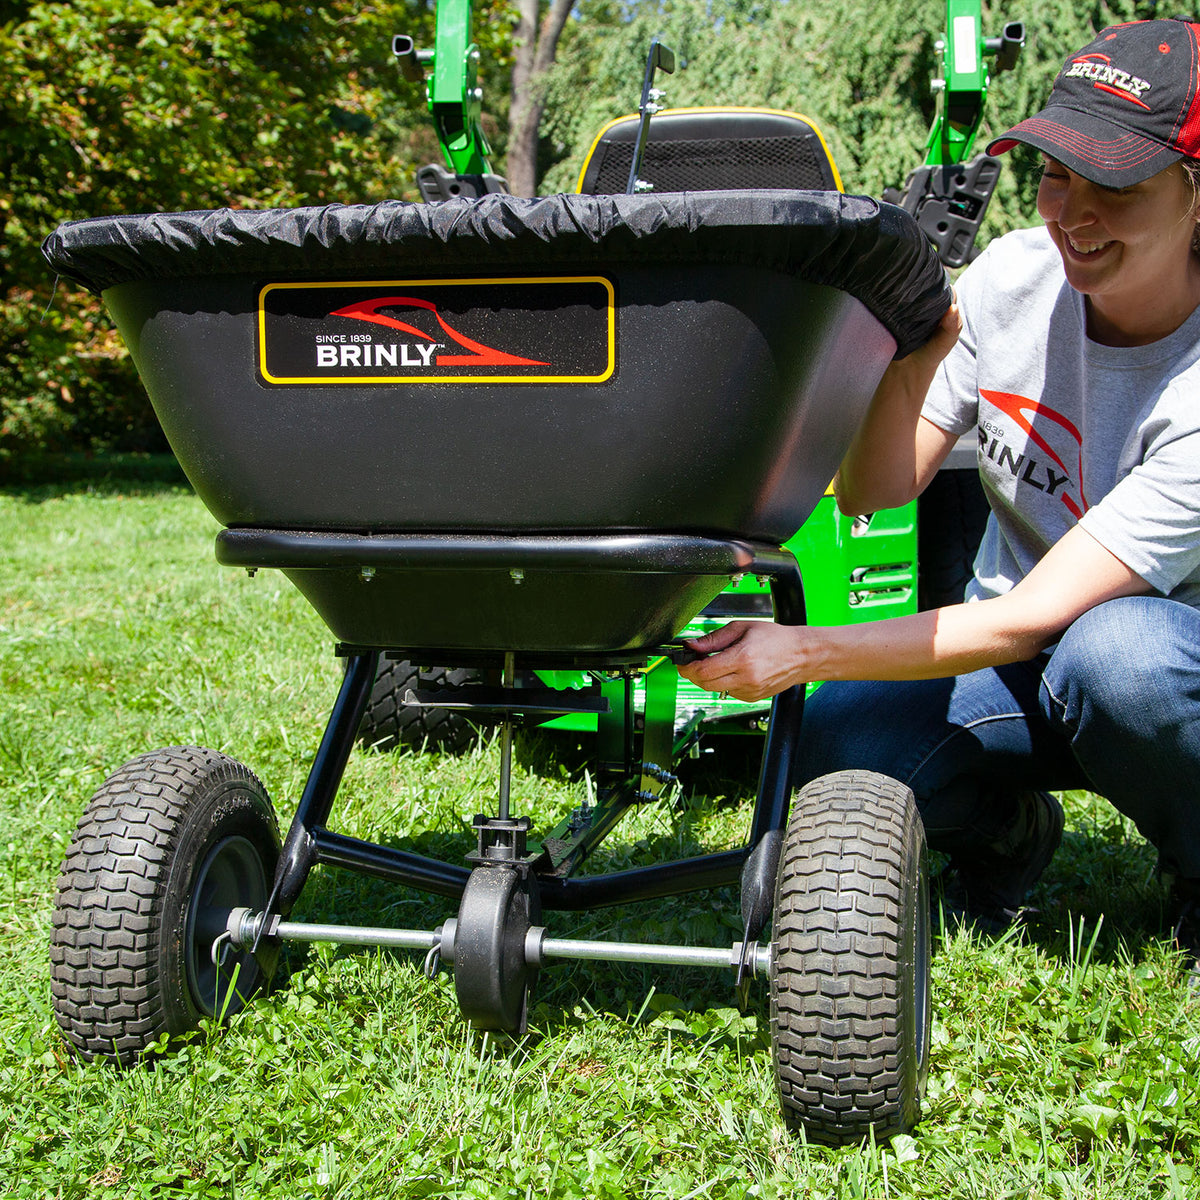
437, 331
1037, 463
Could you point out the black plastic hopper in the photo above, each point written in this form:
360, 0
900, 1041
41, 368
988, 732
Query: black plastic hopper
370, 397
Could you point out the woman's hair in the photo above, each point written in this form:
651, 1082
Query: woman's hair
1191, 168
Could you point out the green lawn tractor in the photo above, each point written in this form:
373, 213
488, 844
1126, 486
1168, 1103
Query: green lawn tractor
855, 569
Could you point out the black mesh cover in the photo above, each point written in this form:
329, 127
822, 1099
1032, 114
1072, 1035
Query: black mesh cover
714, 164
712, 149
873, 251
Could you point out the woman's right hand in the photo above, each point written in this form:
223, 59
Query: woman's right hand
749, 660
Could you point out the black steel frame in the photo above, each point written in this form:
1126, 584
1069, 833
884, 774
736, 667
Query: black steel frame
310, 842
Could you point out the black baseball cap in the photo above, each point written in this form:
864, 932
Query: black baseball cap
1124, 107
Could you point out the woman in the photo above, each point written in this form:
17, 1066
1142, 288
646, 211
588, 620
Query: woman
1075, 661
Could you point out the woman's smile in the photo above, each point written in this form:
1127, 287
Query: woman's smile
1126, 250
1087, 249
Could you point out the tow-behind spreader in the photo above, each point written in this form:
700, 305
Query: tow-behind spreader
635, 399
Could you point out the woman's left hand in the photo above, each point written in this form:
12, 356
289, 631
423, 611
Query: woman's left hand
749, 660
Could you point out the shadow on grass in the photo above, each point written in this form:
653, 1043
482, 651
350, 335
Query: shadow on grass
34, 480
1102, 878
1095, 884
1095, 887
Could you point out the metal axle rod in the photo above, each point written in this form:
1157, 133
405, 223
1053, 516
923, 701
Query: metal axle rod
650, 952
243, 926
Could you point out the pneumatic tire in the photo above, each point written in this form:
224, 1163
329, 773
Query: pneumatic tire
952, 513
169, 844
389, 724
850, 994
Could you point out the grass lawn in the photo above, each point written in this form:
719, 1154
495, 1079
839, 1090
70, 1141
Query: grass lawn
1065, 1063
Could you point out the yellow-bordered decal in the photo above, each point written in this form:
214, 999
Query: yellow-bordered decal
559, 329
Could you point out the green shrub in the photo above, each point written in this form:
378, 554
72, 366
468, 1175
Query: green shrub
135, 106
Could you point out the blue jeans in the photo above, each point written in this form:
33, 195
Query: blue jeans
1114, 708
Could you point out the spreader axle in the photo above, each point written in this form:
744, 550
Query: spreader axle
539, 949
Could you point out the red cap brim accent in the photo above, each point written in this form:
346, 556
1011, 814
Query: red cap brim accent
1097, 149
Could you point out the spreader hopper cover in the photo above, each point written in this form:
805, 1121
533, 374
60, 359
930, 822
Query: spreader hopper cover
677, 362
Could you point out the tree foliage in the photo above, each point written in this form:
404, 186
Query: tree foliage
138, 105
133, 106
861, 71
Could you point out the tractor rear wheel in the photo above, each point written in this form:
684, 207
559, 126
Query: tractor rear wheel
850, 996
390, 724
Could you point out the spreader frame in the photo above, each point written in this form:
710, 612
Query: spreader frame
309, 841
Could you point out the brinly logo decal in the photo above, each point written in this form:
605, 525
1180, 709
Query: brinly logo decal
560, 330
480, 356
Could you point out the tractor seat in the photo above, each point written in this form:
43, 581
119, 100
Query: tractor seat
711, 150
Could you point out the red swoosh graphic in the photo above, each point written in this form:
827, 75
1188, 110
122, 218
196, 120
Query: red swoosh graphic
364, 310
1017, 407
480, 356
1124, 95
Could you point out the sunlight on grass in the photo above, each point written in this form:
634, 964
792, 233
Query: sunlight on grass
1065, 1059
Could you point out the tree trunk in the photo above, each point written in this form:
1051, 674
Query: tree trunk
536, 47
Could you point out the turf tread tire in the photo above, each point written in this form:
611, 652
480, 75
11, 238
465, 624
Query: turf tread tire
951, 515
850, 961
388, 724
113, 985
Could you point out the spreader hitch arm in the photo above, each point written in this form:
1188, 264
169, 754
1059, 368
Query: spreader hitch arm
948, 195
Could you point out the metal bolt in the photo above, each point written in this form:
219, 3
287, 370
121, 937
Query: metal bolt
654, 771
252, 571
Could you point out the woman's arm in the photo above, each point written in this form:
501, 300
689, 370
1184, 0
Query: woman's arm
753, 660
896, 452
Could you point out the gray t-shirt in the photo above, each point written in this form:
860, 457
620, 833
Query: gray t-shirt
1070, 430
